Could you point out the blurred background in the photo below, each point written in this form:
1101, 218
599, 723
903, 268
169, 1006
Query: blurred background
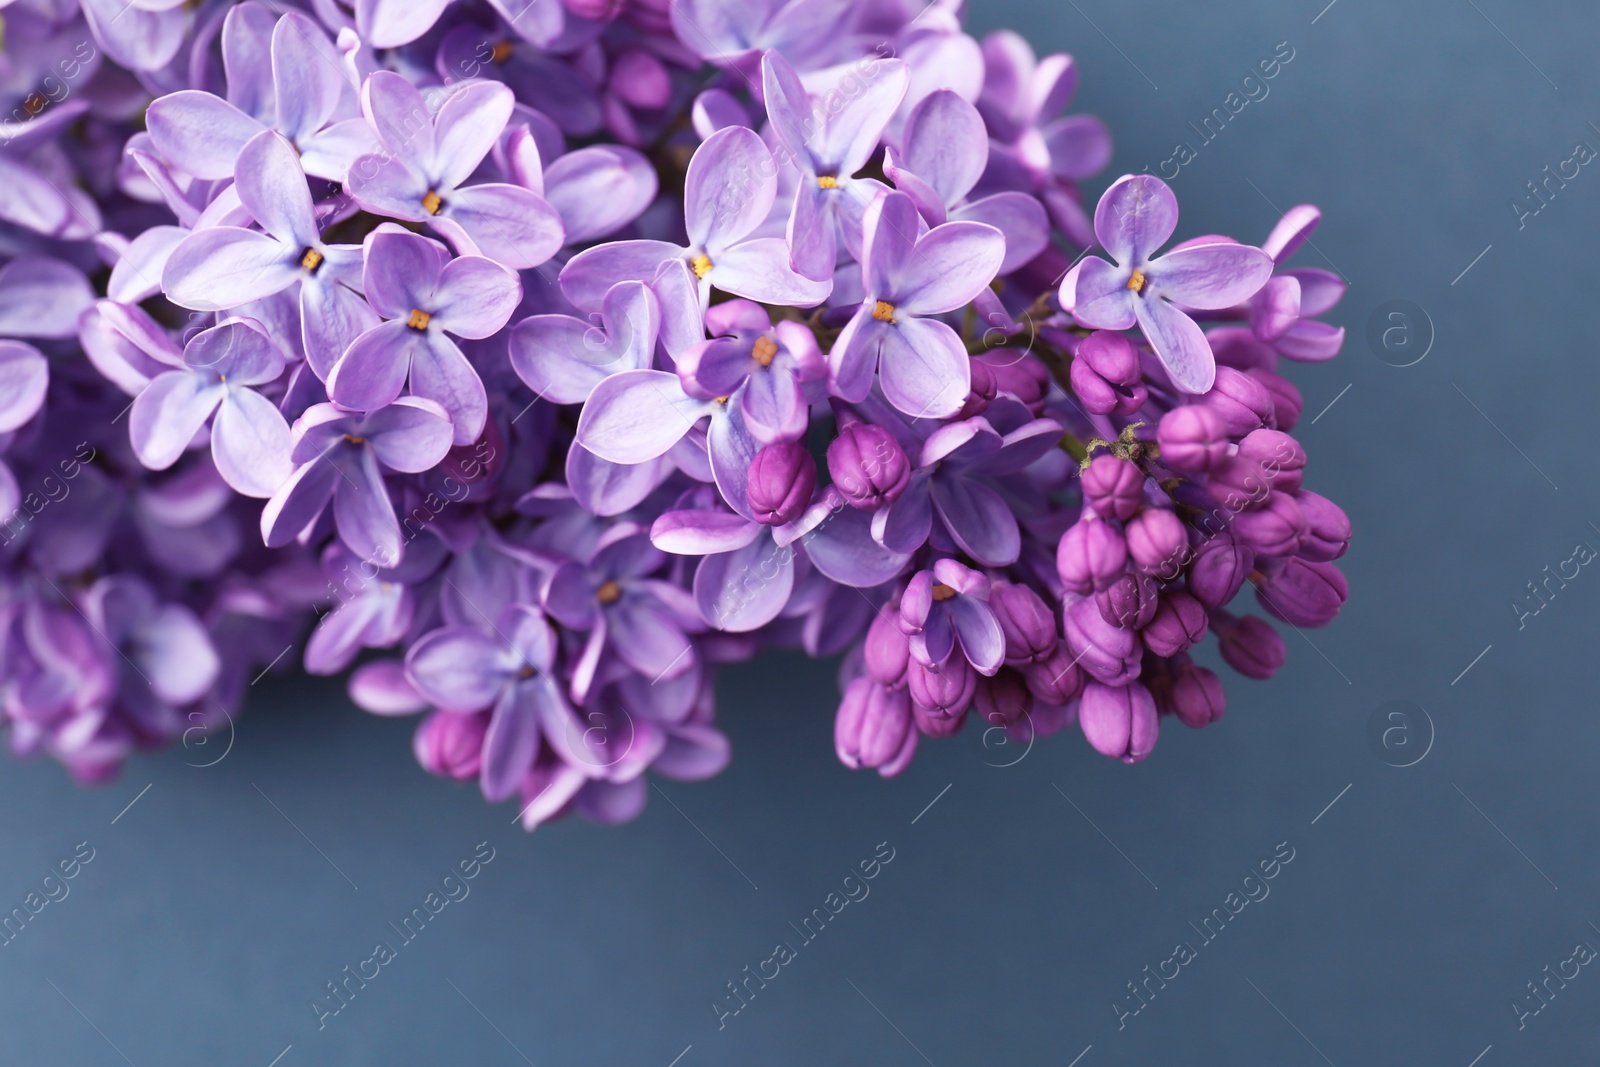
1427, 761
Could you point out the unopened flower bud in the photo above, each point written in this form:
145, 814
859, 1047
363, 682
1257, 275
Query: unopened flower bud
1003, 699
887, 647
1026, 621
1130, 602
1221, 565
1106, 652
1113, 487
1197, 697
1272, 530
1091, 555
1056, 680
1239, 483
1179, 623
1193, 438
1242, 401
868, 466
1327, 535
1157, 541
782, 479
1304, 593
1119, 721
944, 691
1280, 456
1106, 375
874, 727
1287, 402
1252, 647
450, 744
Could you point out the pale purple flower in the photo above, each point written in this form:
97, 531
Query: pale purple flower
563, 358
1134, 218
770, 367
947, 607
425, 296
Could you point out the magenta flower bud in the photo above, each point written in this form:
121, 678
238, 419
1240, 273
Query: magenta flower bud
874, 727
1242, 401
1252, 647
1003, 699
1327, 535
1113, 487
1197, 697
1130, 602
782, 479
1193, 438
1286, 400
1304, 593
1026, 621
1055, 680
1280, 456
868, 466
1178, 625
1119, 721
1157, 541
450, 744
1274, 530
887, 646
1239, 483
1091, 555
1221, 565
1104, 651
1106, 375
935, 723
595, 10
944, 691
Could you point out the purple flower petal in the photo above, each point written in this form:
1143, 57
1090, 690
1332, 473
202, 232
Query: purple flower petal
978, 520
1210, 276
199, 133
250, 443
1136, 216
637, 415
225, 267
1179, 344
924, 368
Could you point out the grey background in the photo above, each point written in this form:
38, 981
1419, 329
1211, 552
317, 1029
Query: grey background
1011, 918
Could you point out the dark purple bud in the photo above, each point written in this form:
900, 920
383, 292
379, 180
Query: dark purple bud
1239, 483
935, 723
1119, 721
1221, 565
1274, 530
1179, 624
1056, 679
887, 647
1327, 535
1113, 487
782, 479
1193, 438
450, 744
639, 78
868, 466
1197, 697
874, 727
1242, 401
1003, 699
1026, 621
1130, 602
1304, 593
1092, 554
1279, 455
1251, 646
1286, 400
1104, 651
1157, 541
945, 691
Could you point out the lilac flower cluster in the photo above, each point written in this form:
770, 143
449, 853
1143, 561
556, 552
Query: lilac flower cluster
535, 360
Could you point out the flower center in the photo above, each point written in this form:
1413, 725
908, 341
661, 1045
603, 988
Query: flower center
419, 320
500, 52
827, 181
701, 265
35, 103
431, 203
763, 351
943, 592
883, 312
311, 259
353, 439
609, 593
1136, 281
526, 672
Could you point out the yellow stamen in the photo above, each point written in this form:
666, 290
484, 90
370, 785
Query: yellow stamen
883, 312
419, 319
355, 440
431, 203
763, 351
526, 672
609, 593
35, 103
720, 399
701, 265
827, 181
1136, 282
943, 592
500, 52
311, 260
